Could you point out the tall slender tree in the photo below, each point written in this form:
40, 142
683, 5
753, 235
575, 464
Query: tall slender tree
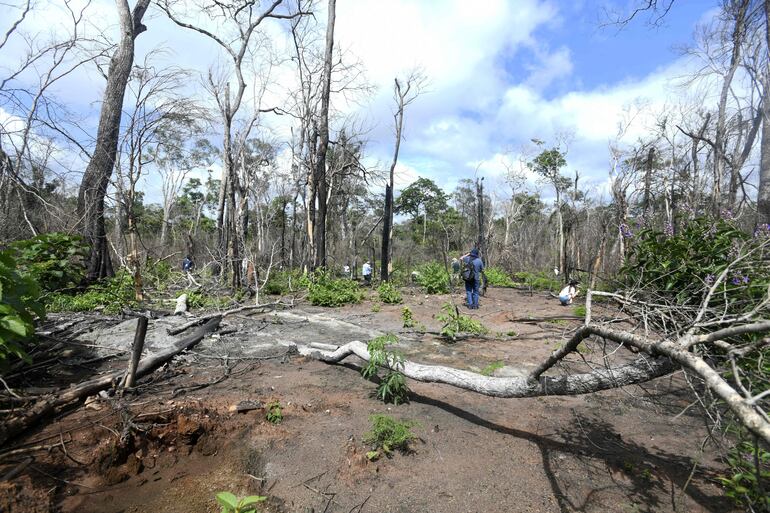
96, 178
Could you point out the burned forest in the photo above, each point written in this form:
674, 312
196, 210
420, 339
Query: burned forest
317, 256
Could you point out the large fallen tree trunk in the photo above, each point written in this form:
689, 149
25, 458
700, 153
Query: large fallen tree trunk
661, 357
50, 405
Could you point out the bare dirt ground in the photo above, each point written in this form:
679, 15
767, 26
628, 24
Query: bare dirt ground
173, 443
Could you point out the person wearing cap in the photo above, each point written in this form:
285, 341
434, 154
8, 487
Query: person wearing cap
471, 273
366, 271
568, 293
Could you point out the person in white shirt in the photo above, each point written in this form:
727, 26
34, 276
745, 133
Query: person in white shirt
568, 293
366, 271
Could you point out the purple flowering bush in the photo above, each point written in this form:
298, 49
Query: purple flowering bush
681, 267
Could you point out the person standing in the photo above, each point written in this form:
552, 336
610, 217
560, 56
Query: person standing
366, 271
471, 273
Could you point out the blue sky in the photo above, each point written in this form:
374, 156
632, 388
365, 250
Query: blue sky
500, 73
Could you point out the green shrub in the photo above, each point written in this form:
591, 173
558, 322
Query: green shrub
19, 304
580, 310
388, 434
280, 283
455, 323
197, 298
398, 277
54, 260
434, 278
538, 281
232, 504
407, 317
111, 295
392, 387
327, 291
681, 267
389, 294
497, 277
161, 275
274, 412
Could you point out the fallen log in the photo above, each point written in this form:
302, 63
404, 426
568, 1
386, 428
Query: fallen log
661, 357
639, 371
51, 404
201, 320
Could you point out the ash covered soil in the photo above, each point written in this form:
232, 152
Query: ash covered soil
175, 441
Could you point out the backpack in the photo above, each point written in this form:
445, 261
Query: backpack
469, 271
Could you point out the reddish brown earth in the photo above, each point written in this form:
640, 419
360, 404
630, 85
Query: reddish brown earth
628, 450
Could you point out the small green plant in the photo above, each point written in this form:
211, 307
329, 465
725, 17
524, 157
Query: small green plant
434, 278
407, 317
392, 387
492, 367
376, 308
274, 412
511, 334
455, 323
497, 277
232, 504
750, 468
324, 290
389, 294
388, 434
579, 310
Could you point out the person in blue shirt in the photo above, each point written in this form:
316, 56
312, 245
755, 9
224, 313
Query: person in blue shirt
471, 273
187, 264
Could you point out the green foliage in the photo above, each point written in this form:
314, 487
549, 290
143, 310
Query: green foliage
54, 260
392, 387
389, 294
324, 290
455, 323
110, 295
274, 412
407, 317
284, 282
19, 304
681, 267
232, 504
161, 275
388, 434
538, 281
580, 310
376, 308
750, 470
434, 278
492, 367
496, 277
197, 298
398, 277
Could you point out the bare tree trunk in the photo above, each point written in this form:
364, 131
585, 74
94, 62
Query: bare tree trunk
763, 196
319, 257
96, 178
387, 221
738, 36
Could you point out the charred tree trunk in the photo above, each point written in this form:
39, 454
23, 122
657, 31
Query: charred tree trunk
96, 178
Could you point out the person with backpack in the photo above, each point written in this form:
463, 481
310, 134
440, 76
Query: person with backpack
471, 273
